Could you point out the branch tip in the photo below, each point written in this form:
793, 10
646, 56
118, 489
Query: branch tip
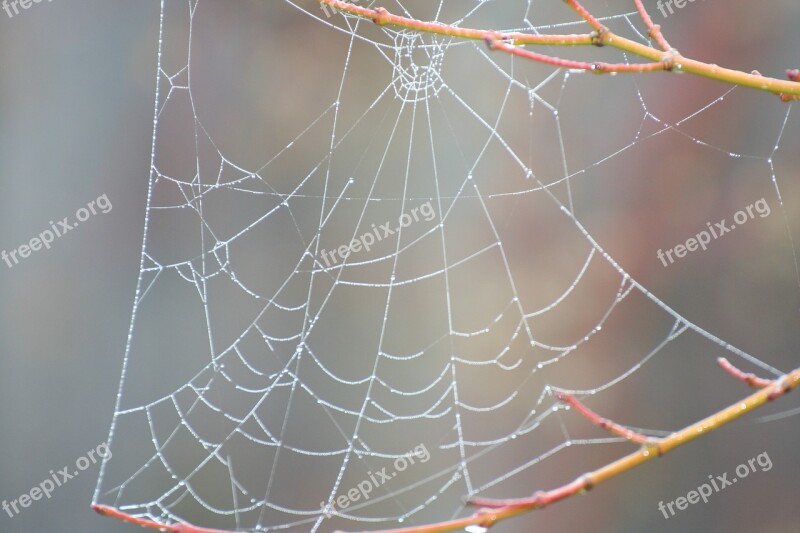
751, 379
609, 425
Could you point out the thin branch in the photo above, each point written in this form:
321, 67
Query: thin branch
653, 30
597, 67
585, 15
751, 379
105, 510
667, 59
605, 423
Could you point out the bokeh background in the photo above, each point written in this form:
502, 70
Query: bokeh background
76, 105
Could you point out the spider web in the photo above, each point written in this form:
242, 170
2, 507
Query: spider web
262, 382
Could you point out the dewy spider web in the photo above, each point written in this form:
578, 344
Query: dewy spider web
267, 376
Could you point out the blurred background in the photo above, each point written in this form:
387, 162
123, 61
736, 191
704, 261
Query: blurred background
262, 148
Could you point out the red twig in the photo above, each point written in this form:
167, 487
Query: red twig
585, 15
653, 30
605, 423
105, 510
751, 379
596, 67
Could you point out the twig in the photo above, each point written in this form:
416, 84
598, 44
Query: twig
597, 67
105, 510
666, 59
605, 423
585, 15
653, 30
751, 379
